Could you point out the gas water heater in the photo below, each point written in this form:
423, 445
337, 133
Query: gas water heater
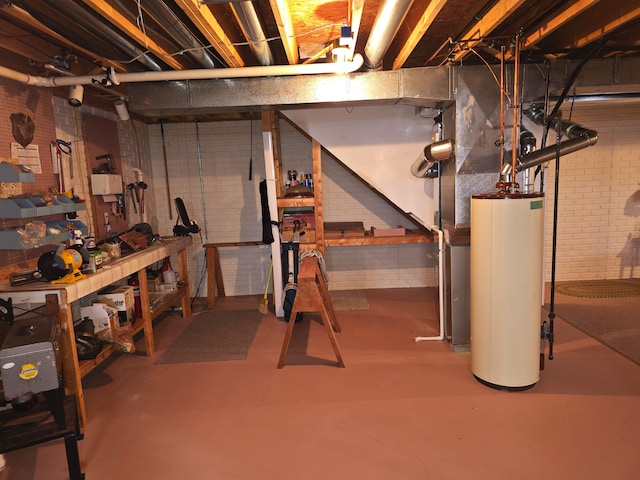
506, 288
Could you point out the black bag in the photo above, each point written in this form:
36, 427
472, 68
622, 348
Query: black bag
88, 346
290, 266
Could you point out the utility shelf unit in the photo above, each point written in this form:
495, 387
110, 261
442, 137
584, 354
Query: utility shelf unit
316, 202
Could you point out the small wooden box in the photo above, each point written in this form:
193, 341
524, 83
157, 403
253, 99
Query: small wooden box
388, 232
343, 229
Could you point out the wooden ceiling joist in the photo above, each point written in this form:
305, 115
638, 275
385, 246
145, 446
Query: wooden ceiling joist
114, 17
24, 18
282, 16
206, 22
426, 20
483, 27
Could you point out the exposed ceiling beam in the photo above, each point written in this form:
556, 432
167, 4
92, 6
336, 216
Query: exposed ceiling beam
556, 22
282, 16
114, 17
483, 27
355, 18
605, 29
25, 18
16, 40
206, 22
426, 20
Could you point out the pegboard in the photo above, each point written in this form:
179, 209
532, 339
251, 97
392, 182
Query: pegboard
35, 102
102, 140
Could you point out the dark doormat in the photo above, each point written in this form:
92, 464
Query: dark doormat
349, 300
614, 288
612, 320
214, 336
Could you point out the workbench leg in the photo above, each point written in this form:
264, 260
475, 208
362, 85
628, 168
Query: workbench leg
70, 364
73, 457
146, 313
214, 276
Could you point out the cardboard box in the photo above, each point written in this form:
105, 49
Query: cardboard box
100, 314
123, 299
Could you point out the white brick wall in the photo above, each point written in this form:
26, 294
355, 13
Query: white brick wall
599, 199
599, 204
226, 205
69, 127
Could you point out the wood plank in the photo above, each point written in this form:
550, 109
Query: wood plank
206, 22
316, 153
427, 18
282, 15
483, 27
114, 17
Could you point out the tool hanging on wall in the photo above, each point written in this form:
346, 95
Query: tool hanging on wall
56, 158
166, 171
130, 187
65, 148
107, 166
142, 186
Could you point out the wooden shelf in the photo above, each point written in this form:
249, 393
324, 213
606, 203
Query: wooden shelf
296, 202
170, 299
411, 237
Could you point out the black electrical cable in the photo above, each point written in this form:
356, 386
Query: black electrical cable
547, 121
554, 242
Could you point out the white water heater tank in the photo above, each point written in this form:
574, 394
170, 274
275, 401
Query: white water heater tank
506, 288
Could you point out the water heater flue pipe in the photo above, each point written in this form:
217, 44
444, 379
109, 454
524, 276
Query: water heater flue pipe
435, 152
579, 138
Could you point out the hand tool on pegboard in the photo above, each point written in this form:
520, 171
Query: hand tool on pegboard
130, 188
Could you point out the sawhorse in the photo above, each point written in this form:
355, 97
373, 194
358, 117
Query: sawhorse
312, 296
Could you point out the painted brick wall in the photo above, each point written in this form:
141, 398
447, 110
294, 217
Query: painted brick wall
213, 182
599, 197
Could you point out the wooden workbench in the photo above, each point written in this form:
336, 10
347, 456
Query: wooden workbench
34, 294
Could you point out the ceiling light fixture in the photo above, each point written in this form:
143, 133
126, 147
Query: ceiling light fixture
75, 95
121, 110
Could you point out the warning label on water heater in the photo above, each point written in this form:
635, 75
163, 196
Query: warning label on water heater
535, 205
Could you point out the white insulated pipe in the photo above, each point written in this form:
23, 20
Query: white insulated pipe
111, 77
440, 287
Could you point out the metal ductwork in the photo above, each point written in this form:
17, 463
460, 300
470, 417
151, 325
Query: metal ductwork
169, 21
387, 22
252, 29
93, 28
579, 138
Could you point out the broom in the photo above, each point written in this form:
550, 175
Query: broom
263, 308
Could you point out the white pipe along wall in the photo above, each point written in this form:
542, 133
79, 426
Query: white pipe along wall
112, 78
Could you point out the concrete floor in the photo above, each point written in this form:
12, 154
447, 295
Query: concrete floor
399, 410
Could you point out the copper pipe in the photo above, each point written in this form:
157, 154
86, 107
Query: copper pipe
501, 140
516, 100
